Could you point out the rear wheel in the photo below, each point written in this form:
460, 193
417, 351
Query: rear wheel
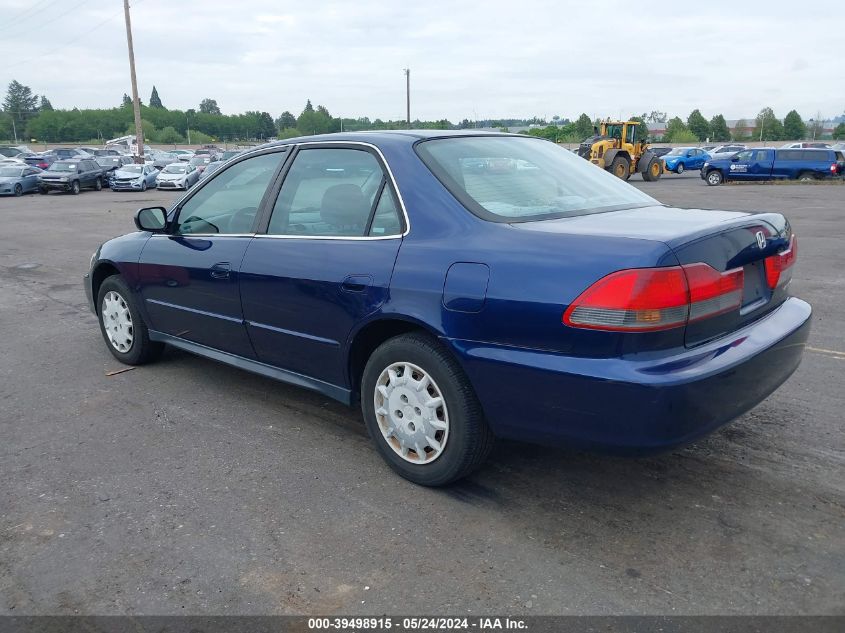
652, 172
620, 168
18, 190
422, 412
806, 176
122, 326
714, 178
680, 168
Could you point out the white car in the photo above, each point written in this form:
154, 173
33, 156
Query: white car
177, 176
725, 151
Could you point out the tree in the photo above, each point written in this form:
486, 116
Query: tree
286, 121
44, 105
209, 106
719, 129
169, 135
767, 126
815, 129
20, 104
266, 126
155, 102
839, 132
314, 121
793, 127
698, 125
676, 131
127, 101
655, 116
583, 127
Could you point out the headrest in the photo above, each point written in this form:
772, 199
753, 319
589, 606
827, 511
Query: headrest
344, 205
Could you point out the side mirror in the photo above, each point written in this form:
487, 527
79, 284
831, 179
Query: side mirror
735, 159
151, 219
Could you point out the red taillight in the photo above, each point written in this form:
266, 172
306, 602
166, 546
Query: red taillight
646, 299
778, 266
42, 165
834, 169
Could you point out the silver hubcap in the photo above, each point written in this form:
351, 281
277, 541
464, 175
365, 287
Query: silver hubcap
714, 178
411, 413
117, 321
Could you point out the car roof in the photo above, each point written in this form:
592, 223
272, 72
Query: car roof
374, 137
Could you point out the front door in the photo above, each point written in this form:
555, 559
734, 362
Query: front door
189, 276
740, 164
324, 261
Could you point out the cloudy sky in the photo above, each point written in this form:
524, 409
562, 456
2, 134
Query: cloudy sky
470, 60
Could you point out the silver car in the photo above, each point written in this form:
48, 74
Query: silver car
18, 180
134, 178
177, 176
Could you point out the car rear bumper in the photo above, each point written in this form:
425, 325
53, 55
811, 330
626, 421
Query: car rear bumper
635, 404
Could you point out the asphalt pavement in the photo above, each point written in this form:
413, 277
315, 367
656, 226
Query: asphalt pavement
190, 487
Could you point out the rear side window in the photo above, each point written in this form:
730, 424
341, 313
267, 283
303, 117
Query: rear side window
815, 155
789, 154
334, 193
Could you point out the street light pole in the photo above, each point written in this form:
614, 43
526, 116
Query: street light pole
408, 96
136, 103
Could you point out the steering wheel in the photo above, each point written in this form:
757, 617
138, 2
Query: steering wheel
242, 217
194, 218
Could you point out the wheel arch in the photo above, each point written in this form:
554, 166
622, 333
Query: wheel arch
364, 341
103, 271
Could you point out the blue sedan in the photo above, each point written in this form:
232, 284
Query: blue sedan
462, 287
682, 158
17, 180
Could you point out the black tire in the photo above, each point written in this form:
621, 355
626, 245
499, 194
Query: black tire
652, 170
142, 349
18, 190
43, 191
143, 185
806, 176
680, 168
620, 168
469, 440
714, 178
98, 184
74, 187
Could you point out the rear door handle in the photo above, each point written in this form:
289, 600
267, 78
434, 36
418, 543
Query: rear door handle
356, 283
221, 270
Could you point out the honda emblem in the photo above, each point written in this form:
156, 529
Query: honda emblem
761, 239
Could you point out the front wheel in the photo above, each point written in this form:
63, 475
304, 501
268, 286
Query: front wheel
143, 185
122, 325
74, 188
652, 171
422, 412
680, 168
98, 184
43, 191
620, 168
714, 178
18, 191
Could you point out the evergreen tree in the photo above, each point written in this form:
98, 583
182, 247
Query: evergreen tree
155, 102
719, 129
127, 101
45, 105
698, 125
20, 104
793, 127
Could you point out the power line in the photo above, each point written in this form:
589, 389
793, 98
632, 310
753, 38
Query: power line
24, 15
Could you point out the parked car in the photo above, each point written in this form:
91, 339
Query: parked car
111, 164
212, 167
16, 181
439, 299
162, 159
183, 154
806, 145
725, 151
10, 151
682, 158
201, 161
40, 161
65, 153
177, 175
707, 148
106, 152
838, 147
230, 153
774, 164
71, 175
134, 178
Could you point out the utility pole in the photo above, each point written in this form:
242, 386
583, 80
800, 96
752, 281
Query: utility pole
136, 103
188, 127
408, 96
14, 129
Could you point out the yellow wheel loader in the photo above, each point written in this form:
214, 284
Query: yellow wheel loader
616, 148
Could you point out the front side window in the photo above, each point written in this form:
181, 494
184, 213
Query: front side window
228, 203
744, 156
524, 179
329, 192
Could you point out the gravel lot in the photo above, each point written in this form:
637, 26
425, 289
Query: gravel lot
190, 487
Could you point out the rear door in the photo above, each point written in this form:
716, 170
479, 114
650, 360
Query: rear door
323, 260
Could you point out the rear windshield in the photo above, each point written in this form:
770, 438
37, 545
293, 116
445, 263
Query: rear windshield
513, 179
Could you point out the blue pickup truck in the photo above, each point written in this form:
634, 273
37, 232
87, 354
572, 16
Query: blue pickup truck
764, 163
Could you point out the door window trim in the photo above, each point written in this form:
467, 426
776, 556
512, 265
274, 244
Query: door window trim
174, 212
266, 210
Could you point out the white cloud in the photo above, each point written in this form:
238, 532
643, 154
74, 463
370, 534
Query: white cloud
467, 59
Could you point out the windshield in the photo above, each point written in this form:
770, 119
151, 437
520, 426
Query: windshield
9, 172
510, 178
63, 167
174, 169
108, 162
131, 169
